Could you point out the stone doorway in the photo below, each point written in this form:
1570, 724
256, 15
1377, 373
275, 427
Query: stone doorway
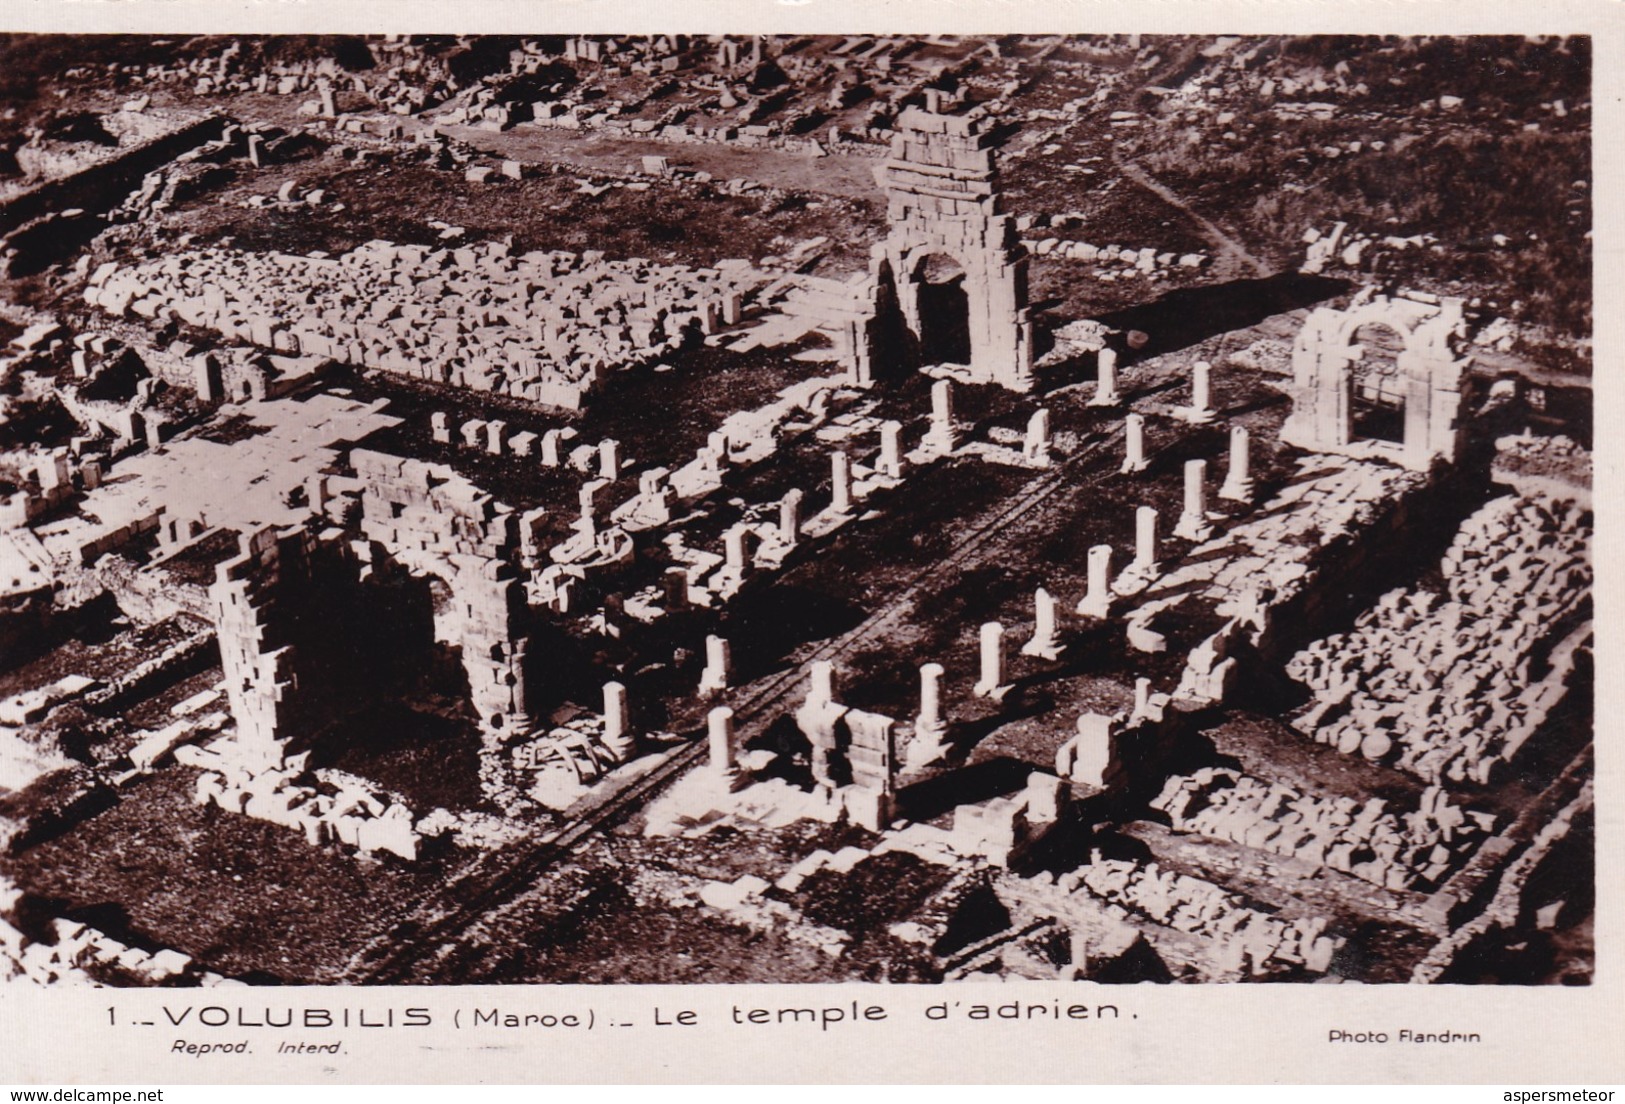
944, 311
1376, 386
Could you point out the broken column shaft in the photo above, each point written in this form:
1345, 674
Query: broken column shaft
1097, 601
1238, 480
617, 726
720, 734
1134, 434
929, 724
840, 482
1145, 541
941, 434
891, 449
790, 516
1106, 379
1045, 643
1036, 447
1193, 523
714, 679
991, 684
822, 674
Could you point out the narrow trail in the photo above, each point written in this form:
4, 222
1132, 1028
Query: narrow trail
1233, 257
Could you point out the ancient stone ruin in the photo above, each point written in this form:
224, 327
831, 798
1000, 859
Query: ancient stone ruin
943, 203
1381, 378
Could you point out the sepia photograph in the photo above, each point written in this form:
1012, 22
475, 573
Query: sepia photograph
681, 509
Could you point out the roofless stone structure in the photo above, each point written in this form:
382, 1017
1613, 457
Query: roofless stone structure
952, 265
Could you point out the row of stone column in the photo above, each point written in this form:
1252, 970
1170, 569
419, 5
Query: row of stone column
1201, 407
930, 725
493, 437
1238, 483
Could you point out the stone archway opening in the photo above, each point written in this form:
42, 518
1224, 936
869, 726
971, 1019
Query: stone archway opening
1381, 378
1376, 385
944, 310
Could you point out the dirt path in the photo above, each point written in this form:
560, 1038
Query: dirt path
1232, 261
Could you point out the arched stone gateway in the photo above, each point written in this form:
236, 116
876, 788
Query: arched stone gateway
943, 204
302, 615
433, 522
1381, 378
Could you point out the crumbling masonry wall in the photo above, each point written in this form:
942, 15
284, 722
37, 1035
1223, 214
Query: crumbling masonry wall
308, 633
312, 626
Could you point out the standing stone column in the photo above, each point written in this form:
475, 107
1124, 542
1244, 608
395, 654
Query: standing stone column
609, 458
790, 516
1106, 379
1145, 541
928, 745
1200, 410
1238, 479
1134, 432
720, 734
840, 482
550, 448
733, 541
1142, 697
1097, 601
822, 674
495, 434
1193, 524
1035, 450
1045, 643
714, 679
991, 684
618, 739
942, 435
929, 725
891, 449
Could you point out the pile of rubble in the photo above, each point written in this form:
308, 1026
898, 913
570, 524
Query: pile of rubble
1555, 466
1275, 549
1247, 936
1115, 261
342, 808
79, 953
541, 326
743, 901
1449, 683
1397, 851
83, 954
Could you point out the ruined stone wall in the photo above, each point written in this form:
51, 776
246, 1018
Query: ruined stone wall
258, 654
100, 186
310, 632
